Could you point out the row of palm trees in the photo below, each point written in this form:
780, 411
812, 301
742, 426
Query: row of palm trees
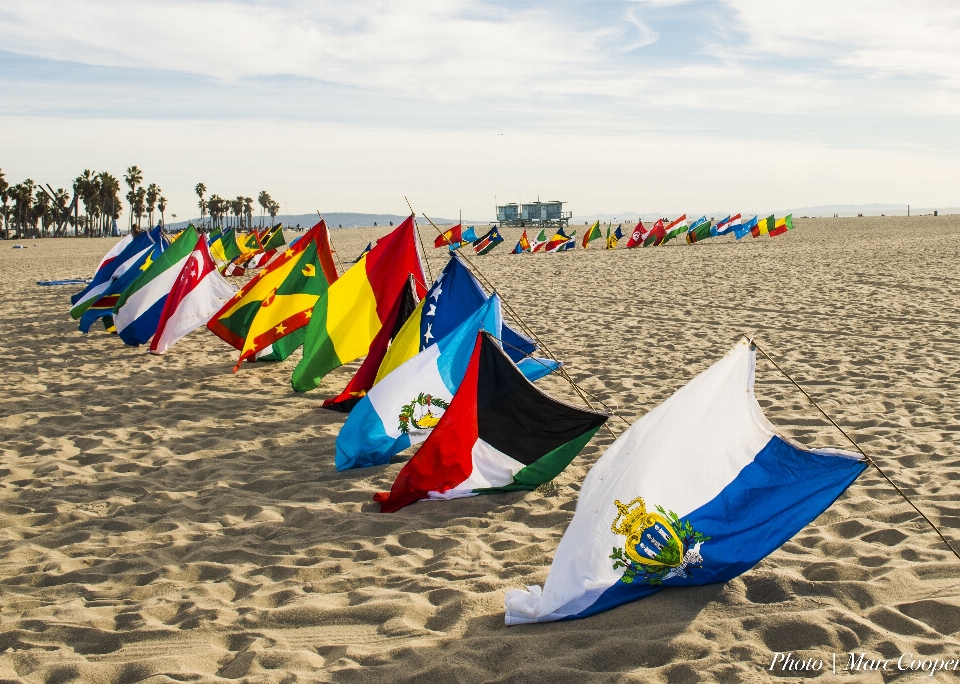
241, 208
34, 210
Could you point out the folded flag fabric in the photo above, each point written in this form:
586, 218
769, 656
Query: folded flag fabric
486, 243
348, 316
592, 234
498, 434
745, 229
556, 242
764, 226
213, 237
133, 254
115, 250
195, 297
571, 243
365, 250
701, 232
267, 315
225, 247
469, 235
523, 245
233, 269
656, 236
671, 506
274, 238
402, 408
727, 225
263, 258
539, 242
696, 224
614, 239
782, 226
449, 237
137, 312
674, 229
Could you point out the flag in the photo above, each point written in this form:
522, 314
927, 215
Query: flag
499, 434
365, 250
697, 491
402, 408
348, 316
556, 242
114, 251
130, 256
249, 244
782, 226
696, 224
263, 258
638, 235
764, 226
745, 229
523, 245
449, 237
137, 311
233, 269
213, 237
539, 242
614, 239
195, 297
727, 225
455, 296
274, 238
656, 235
102, 307
485, 244
225, 247
276, 304
592, 234
701, 232
469, 235
571, 243
674, 229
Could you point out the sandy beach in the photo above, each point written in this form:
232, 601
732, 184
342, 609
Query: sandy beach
163, 519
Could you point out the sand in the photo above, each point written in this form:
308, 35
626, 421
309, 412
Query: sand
162, 519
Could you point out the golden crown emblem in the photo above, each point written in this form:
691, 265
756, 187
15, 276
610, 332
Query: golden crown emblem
632, 523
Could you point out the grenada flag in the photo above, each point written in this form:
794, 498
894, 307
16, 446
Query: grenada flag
671, 506
347, 317
592, 234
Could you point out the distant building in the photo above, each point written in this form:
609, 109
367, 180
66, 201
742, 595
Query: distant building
533, 214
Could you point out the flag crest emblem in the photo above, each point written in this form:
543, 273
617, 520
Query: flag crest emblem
419, 413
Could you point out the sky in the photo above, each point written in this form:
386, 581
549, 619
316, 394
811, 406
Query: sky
662, 106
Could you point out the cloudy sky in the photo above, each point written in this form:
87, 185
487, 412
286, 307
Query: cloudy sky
653, 106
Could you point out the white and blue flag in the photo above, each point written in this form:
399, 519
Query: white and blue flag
697, 491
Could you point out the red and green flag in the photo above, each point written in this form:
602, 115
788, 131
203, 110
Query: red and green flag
556, 242
764, 226
782, 226
593, 234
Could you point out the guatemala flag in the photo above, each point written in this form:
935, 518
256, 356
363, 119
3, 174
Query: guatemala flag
697, 491
402, 408
743, 230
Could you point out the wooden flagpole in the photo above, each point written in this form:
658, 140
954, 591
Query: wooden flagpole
332, 248
854, 443
416, 229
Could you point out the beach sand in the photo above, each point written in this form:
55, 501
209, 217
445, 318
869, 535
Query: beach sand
163, 519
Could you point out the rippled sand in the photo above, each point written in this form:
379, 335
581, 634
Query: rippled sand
163, 519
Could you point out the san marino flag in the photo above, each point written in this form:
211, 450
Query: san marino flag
402, 408
697, 491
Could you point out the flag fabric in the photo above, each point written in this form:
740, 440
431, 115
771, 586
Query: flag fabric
539, 242
592, 234
745, 229
365, 250
764, 226
233, 269
639, 235
782, 226
112, 269
523, 245
195, 297
556, 242
137, 311
701, 232
571, 243
656, 236
225, 247
674, 229
498, 434
449, 237
348, 316
453, 298
266, 316
213, 237
727, 225
249, 244
115, 251
614, 239
469, 235
402, 408
273, 239
696, 224
485, 244
365, 377
263, 258
680, 506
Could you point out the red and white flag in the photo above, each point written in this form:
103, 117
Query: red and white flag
198, 293
638, 235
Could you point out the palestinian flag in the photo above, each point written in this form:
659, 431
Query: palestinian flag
485, 244
556, 242
782, 226
498, 434
701, 232
279, 300
348, 316
593, 234
449, 237
656, 236
539, 242
523, 245
764, 226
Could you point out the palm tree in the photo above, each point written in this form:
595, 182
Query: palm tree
264, 200
153, 192
237, 207
140, 197
109, 199
5, 196
133, 178
200, 190
273, 210
162, 206
215, 207
248, 211
60, 198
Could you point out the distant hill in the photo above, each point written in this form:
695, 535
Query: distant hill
335, 219
826, 210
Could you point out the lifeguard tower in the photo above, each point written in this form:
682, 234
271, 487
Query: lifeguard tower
533, 214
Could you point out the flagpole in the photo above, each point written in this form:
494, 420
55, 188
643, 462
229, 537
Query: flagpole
416, 229
854, 443
527, 329
332, 248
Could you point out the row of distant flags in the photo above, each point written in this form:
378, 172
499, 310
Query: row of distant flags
657, 234
441, 368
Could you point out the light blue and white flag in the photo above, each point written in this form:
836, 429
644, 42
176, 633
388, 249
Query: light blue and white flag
402, 409
743, 230
697, 491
